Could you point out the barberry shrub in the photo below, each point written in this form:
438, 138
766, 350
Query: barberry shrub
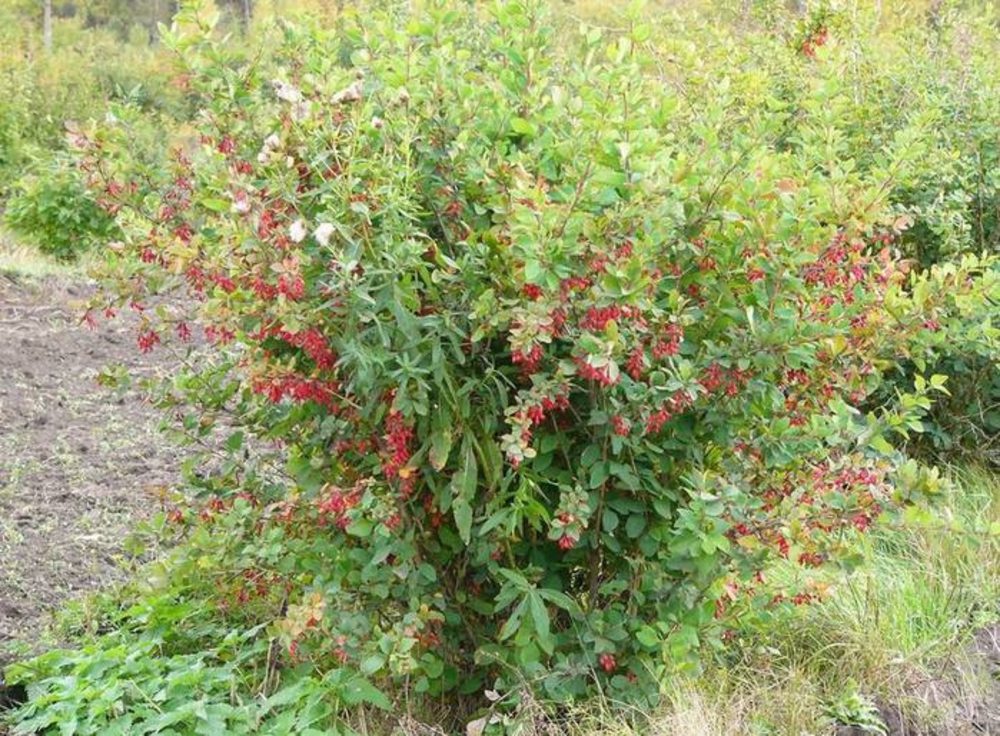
551, 376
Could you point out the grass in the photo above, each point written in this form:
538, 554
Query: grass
18, 261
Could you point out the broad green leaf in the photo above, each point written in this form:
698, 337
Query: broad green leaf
540, 617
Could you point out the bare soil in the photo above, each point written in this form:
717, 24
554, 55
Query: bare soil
80, 464
963, 701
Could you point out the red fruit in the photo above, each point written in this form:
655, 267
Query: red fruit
636, 363
292, 287
532, 291
589, 372
528, 361
656, 420
147, 341
184, 232
608, 663
536, 414
810, 559
597, 318
263, 290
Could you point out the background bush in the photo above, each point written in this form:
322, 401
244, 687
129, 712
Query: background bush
47, 94
53, 208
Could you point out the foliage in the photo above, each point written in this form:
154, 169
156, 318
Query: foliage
964, 420
87, 70
941, 66
54, 209
572, 380
854, 709
938, 62
48, 94
136, 686
900, 628
535, 351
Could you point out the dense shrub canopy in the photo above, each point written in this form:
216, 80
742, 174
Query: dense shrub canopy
555, 353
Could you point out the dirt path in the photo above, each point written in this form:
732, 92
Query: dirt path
78, 463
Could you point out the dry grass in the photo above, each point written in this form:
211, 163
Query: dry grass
22, 261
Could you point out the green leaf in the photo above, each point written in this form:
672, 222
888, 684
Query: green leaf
519, 581
440, 447
635, 525
216, 205
463, 518
609, 521
360, 528
513, 623
522, 127
463, 488
234, 442
881, 445
359, 690
559, 599
540, 617
648, 637
599, 474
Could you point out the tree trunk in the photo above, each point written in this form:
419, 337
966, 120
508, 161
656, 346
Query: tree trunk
47, 25
246, 15
153, 20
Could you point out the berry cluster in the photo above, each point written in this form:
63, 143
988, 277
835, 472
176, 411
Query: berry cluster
299, 389
398, 438
676, 404
312, 343
529, 361
604, 374
335, 505
816, 40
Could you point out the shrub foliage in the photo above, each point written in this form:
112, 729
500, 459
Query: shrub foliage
54, 209
537, 361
